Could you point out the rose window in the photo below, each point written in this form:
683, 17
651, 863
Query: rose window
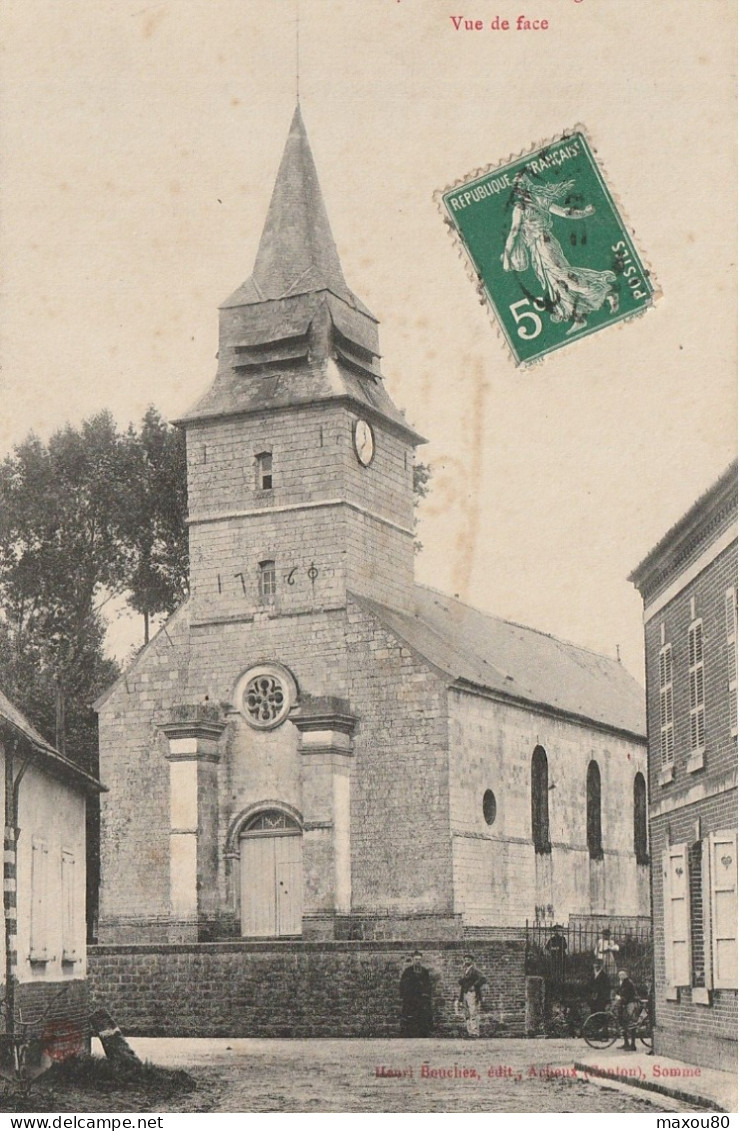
264, 699
265, 694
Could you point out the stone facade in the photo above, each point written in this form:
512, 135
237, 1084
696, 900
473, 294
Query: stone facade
689, 585
303, 750
352, 525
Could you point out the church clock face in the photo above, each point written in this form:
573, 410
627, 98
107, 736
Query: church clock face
364, 440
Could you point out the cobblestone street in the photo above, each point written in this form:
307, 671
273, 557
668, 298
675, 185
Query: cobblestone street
440, 1076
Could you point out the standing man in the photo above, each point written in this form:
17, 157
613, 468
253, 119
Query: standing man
416, 999
599, 992
470, 998
606, 952
628, 1008
557, 948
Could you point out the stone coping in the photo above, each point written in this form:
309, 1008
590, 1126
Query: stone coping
295, 946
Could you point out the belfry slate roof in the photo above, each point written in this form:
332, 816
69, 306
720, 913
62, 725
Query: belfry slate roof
511, 660
294, 333
296, 253
232, 393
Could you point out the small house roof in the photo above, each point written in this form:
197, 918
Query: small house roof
57, 764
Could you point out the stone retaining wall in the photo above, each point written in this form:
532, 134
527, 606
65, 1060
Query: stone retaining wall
296, 989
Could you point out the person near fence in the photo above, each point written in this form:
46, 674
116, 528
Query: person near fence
470, 998
416, 999
606, 951
557, 948
628, 1009
599, 991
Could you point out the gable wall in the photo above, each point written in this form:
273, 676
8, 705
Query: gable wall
185, 666
400, 845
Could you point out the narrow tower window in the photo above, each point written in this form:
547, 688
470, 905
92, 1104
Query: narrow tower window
540, 801
264, 471
268, 584
593, 812
640, 819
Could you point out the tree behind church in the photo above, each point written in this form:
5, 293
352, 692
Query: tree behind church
60, 562
154, 526
92, 514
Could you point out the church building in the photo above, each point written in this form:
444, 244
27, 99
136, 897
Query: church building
314, 746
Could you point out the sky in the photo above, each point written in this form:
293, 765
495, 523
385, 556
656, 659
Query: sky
139, 147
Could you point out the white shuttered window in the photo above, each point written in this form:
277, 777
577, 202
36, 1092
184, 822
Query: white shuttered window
666, 705
677, 915
731, 624
39, 901
723, 873
696, 685
69, 924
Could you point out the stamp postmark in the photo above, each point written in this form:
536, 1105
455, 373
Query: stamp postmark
546, 241
62, 1039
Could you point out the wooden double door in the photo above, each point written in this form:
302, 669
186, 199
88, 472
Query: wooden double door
271, 883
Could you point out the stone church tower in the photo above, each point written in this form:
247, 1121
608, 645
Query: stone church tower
299, 465
314, 746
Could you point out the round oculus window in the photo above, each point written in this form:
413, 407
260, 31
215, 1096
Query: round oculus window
489, 806
265, 694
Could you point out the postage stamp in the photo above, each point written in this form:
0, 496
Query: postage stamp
546, 241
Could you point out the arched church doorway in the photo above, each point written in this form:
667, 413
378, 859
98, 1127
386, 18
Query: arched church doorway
271, 858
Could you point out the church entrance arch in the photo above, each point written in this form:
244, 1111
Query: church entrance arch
271, 867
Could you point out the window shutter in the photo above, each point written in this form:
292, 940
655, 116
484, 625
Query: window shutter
723, 870
69, 926
696, 686
666, 705
668, 950
731, 621
677, 915
706, 889
39, 901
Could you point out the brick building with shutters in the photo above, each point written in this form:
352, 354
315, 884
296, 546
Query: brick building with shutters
688, 583
315, 747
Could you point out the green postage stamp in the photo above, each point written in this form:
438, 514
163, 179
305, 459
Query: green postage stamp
548, 246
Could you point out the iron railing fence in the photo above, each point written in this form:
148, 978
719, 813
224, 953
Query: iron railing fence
565, 956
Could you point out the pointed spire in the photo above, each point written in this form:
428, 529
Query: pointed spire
294, 333
297, 252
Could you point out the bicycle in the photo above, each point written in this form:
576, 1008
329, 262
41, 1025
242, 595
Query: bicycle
601, 1030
